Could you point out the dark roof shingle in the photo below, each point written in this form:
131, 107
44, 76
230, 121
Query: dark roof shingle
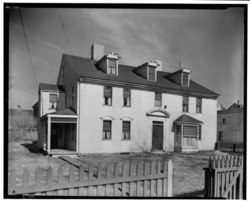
86, 67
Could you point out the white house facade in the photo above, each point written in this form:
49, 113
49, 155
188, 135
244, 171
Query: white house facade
101, 106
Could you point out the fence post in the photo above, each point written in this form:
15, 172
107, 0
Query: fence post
170, 178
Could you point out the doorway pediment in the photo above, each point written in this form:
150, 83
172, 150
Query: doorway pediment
158, 113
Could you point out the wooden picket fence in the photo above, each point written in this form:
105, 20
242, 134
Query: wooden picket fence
120, 179
224, 177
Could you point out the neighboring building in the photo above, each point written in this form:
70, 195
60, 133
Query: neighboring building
230, 124
101, 106
21, 118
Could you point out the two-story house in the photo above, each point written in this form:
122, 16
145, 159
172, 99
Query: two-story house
101, 106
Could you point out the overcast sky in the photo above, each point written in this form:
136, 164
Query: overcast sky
209, 42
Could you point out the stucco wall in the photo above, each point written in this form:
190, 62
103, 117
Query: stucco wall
92, 112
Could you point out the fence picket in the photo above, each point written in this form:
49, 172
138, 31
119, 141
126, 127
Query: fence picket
164, 181
60, 180
109, 171
146, 190
99, 177
152, 182
170, 178
132, 173
117, 189
159, 181
71, 179
125, 173
91, 178
49, 180
139, 184
82, 173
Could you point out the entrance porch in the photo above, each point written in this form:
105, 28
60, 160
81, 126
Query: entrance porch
60, 134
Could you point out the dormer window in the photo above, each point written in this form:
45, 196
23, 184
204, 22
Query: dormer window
112, 69
151, 73
185, 79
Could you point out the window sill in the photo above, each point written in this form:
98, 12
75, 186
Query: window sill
106, 139
107, 105
126, 140
126, 106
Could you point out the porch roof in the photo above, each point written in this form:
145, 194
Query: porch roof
66, 111
187, 119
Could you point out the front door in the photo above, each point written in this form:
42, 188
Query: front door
157, 137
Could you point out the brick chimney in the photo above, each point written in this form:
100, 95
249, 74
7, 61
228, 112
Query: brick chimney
97, 51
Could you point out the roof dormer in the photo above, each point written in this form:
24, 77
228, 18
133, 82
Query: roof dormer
109, 64
148, 70
180, 77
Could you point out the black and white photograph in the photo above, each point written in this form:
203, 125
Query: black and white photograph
130, 101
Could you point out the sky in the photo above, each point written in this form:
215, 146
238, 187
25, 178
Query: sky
209, 42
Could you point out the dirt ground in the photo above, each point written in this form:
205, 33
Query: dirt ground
188, 168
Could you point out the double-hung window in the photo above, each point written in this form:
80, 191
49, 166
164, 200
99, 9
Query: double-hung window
158, 99
126, 97
111, 66
126, 130
151, 73
185, 79
185, 103
107, 95
198, 105
106, 134
53, 100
